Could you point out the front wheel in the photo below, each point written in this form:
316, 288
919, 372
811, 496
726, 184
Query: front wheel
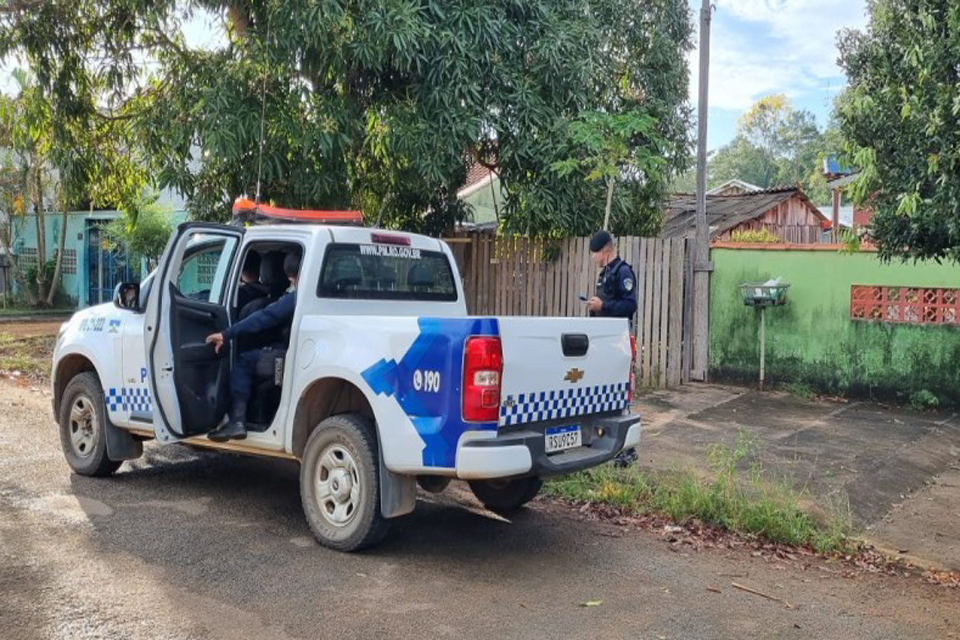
506, 495
340, 484
83, 427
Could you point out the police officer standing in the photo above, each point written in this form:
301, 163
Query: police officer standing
616, 297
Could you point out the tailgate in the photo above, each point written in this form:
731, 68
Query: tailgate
542, 382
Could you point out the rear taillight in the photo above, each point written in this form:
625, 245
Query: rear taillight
482, 366
633, 368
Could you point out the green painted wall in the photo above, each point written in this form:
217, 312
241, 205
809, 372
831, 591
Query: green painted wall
812, 339
485, 203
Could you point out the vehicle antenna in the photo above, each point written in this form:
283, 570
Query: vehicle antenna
263, 110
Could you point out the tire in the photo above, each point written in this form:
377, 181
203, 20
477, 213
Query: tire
82, 427
506, 495
340, 484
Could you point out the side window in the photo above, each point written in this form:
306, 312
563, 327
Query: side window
203, 271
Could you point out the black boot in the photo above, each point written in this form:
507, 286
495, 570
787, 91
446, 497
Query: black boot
235, 429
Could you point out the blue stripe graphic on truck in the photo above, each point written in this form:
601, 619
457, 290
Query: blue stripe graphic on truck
426, 383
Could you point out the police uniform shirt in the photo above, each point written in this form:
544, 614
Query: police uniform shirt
617, 288
273, 315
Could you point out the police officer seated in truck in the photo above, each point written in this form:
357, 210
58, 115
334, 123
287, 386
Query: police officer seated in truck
250, 287
276, 314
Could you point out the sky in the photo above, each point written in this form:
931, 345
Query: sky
757, 48
764, 47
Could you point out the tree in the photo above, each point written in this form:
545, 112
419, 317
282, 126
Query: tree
775, 145
378, 104
617, 147
142, 233
900, 118
24, 131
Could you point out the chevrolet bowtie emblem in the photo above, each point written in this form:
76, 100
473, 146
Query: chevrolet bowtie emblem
574, 375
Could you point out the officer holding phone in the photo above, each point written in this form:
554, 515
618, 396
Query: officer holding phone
616, 297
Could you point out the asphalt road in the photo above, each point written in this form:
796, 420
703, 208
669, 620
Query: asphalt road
188, 544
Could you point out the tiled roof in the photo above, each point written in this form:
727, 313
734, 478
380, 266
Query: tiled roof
475, 174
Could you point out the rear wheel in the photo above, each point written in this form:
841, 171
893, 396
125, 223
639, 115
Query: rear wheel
506, 495
340, 484
82, 427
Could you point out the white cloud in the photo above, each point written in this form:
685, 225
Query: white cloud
759, 47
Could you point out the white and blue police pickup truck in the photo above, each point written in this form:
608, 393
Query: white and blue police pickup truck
381, 381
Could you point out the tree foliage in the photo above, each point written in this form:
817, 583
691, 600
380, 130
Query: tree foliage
776, 145
615, 147
143, 233
900, 117
30, 184
376, 104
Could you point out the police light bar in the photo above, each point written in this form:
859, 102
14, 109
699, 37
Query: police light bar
247, 210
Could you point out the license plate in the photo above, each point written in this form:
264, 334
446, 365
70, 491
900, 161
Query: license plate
560, 438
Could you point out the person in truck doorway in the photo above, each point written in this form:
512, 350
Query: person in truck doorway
241, 376
616, 297
250, 287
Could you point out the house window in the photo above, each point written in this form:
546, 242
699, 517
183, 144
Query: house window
69, 265
207, 267
905, 305
27, 258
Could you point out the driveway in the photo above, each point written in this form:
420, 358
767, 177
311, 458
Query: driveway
189, 544
894, 472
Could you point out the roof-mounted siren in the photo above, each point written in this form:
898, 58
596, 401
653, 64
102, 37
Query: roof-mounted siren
246, 211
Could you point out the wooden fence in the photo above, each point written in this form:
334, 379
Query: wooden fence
518, 276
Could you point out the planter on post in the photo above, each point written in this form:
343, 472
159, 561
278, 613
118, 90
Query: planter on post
771, 293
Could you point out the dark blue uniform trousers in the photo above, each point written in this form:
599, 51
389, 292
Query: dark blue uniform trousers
241, 377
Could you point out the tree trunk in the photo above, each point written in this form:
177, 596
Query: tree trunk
63, 239
41, 233
21, 280
606, 215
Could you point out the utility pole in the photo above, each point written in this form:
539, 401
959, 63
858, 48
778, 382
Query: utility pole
701, 259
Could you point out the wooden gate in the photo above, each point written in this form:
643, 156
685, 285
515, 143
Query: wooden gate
519, 276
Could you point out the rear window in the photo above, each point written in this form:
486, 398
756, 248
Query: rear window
386, 272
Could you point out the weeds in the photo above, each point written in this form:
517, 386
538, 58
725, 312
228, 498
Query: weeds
738, 496
924, 400
799, 389
29, 356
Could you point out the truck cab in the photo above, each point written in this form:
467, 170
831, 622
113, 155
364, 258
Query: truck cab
381, 380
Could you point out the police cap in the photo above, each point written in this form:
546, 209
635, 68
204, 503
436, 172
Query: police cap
599, 240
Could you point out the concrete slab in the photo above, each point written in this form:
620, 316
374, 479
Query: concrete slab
870, 459
926, 526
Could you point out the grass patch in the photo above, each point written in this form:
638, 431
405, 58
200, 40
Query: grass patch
17, 311
30, 356
744, 501
799, 389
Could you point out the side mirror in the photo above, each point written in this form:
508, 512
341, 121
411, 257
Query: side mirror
127, 295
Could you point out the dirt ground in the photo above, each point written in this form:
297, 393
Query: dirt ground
32, 328
26, 349
190, 544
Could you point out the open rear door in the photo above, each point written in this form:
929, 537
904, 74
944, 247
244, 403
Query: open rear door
187, 302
